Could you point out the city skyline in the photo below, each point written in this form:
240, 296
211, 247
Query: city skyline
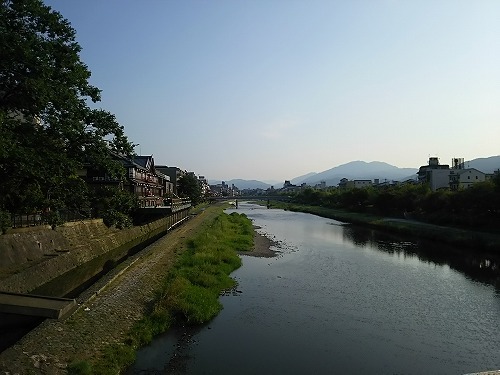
271, 90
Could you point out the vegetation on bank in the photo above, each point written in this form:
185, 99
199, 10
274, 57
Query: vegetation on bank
476, 208
473, 239
190, 291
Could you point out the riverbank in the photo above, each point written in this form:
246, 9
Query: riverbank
262, 246
473, 240
107, 311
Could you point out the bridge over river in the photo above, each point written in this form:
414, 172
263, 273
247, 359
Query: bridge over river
254, 198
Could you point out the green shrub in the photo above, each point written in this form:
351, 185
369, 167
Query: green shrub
80, 368
192, 303
5, 222
117, 219
115, 358
54, 218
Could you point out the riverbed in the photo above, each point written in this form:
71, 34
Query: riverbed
343, 299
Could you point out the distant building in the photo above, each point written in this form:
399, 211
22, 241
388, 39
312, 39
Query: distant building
234, 190
221, 189
362, 183
435, 174
343, 183
443, 177
174, 173
141, 179
205, 187
384, 184
490, 176
349, 184
289, 187
465, 178
321, 185
149, 185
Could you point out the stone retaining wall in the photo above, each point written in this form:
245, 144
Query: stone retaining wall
31, 257
20, 247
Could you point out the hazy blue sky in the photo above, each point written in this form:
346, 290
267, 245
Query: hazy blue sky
272, 89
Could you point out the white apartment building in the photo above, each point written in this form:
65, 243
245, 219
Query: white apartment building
465, 178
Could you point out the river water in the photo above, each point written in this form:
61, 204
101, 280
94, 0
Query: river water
342, 299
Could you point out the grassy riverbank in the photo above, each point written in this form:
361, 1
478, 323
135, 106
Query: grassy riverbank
189, 293
473, 240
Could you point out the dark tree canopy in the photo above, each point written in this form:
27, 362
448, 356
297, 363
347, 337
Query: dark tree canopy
476, 207
189, 186
47, 130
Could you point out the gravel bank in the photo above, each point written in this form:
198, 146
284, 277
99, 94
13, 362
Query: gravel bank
262, 246
107, 310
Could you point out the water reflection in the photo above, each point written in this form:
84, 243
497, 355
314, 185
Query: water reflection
479, 267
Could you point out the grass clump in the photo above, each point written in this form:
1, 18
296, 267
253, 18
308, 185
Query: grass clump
115, 358
192, 289
80, 368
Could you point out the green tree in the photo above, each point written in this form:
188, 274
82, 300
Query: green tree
48, 132
354, 199
114, 205
189, 186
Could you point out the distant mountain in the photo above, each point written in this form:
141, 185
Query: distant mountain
300, 179
275, 183
243, 184
486, 165
359, 170
355, 170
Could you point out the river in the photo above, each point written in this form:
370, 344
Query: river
342, 299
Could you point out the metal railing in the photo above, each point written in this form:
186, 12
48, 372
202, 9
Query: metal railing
35, 219
19, 221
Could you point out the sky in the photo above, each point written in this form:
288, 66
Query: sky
274, 89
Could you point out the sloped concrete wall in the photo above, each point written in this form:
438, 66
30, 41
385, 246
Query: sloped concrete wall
20, 247
32, 257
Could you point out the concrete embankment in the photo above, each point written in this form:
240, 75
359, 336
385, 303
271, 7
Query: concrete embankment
32, 257
107, 310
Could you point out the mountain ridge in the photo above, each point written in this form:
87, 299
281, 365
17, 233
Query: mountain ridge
359, 169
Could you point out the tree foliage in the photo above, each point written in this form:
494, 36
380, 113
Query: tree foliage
475, 207
48, 132
114, 205
189, 186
